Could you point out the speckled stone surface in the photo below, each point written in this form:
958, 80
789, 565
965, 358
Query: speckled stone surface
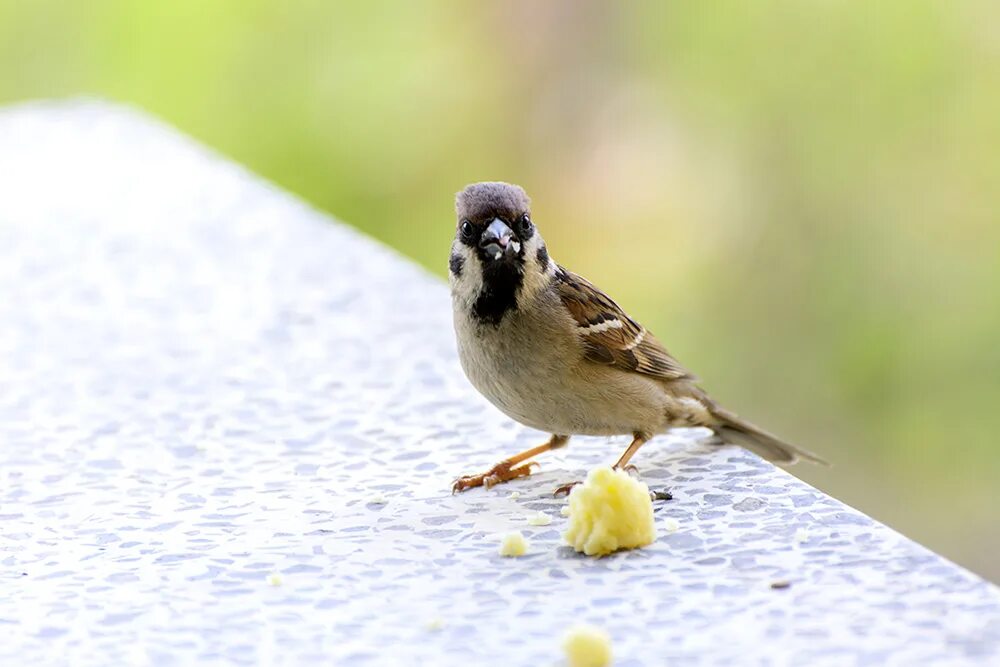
229, 426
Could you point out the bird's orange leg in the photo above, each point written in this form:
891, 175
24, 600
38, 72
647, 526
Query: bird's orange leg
510, 468
638, 440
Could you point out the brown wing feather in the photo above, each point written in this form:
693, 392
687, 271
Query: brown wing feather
610, 335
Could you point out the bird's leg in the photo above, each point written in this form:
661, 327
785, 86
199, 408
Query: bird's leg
510, 468
638, 440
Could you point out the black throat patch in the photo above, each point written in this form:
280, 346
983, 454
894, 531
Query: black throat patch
501, 283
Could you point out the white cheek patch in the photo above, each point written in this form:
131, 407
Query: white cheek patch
536, 277
466, 286
531, 247
516, 246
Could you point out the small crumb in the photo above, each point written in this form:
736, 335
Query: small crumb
435, 624
670, 525
564, 510
514, 495
274, 579
539, 519
513, 544
801, 535
587, 646
777, 585
377, 499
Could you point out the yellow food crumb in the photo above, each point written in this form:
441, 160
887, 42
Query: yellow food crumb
608, 512
514, 495
587, 646
564, 510
802, 535
539, 519
670, 525
274, 579
377, 499
513, 544
435, 624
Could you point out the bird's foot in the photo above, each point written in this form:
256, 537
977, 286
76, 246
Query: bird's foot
501, 472
566, 488
659, 494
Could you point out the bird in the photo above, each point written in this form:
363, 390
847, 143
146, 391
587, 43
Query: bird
555, 353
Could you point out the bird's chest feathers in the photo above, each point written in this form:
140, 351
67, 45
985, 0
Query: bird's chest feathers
511, 362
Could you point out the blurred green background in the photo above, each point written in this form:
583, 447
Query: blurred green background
801, 198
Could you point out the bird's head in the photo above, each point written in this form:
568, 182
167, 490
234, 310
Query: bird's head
497, 249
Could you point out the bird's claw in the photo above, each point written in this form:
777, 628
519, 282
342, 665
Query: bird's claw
501, 472
565, 489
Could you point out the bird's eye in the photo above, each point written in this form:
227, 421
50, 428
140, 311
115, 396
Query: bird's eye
524, 225
467, 230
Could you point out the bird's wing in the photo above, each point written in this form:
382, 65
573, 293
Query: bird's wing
610, 336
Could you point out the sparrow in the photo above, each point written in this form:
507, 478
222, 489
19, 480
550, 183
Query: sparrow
557, 354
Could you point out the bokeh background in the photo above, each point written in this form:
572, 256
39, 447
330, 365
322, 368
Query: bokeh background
801, 198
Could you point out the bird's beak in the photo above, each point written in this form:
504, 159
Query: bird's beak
498, 240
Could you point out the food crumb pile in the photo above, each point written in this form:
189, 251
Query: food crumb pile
608, 512
587, 646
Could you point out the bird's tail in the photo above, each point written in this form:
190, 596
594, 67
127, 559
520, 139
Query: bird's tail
734, 430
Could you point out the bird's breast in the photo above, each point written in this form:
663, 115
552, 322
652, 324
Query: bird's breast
514, 365
533, 370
